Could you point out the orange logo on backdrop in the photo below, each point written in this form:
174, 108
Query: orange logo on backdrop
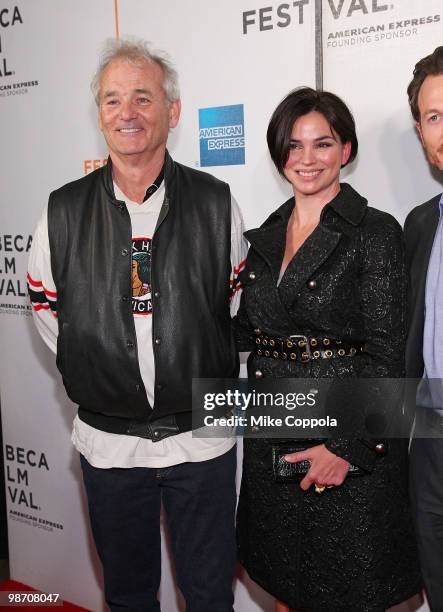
89, 165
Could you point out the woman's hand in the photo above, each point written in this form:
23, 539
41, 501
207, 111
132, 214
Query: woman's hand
326, 468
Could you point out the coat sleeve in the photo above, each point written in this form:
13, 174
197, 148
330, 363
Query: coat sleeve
375, 403
41, 287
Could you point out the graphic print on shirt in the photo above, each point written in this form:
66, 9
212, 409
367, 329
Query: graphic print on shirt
141, 276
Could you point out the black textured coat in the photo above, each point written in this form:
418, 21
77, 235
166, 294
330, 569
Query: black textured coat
351, 548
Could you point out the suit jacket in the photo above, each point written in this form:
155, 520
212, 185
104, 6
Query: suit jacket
420, 227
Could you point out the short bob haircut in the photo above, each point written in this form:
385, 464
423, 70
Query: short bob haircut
431, 65
302, 101
136, 51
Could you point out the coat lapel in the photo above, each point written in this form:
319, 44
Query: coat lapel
269, 240
310, 256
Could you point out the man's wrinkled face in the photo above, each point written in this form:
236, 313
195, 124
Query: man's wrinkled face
134, 114
430, 126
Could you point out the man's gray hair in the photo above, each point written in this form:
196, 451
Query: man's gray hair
136, 51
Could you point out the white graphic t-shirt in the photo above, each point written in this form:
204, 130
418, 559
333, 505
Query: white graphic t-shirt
103, 449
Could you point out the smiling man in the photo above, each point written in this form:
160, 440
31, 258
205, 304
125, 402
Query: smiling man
132, 276
424, 352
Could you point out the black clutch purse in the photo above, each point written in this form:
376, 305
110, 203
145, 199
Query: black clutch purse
291, 472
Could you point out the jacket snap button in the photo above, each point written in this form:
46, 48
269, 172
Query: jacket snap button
159, 387
125, 298
156, 434
251, 275
124, 252
312, 284
258, 374
157, 341
157, 294
380, 449
137, 387
130, 344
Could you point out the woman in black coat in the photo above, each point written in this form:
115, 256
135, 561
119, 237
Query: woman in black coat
329, 269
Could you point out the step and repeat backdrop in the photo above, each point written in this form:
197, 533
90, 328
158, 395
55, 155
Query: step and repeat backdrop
236, 60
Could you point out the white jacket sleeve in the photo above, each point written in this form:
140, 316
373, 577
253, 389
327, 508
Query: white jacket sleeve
41, 288
239, 250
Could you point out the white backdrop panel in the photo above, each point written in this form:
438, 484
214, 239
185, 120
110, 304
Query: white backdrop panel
50, 137
219, 65
371, 71
46, 133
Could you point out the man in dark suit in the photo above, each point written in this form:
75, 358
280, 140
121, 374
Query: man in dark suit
424, 352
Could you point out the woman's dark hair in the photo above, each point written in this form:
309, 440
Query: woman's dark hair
302, 101
431, 65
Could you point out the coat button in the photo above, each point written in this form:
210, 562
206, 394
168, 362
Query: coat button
258, 374
312, 284
251, 275
125, 252
130, 344
380, 448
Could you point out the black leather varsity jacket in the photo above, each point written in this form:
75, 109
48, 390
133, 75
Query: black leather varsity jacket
90, 241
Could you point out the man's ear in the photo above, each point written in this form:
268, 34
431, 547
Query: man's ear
174, 113
419, 130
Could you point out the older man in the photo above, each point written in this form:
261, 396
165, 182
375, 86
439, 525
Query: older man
128, 353
424, 353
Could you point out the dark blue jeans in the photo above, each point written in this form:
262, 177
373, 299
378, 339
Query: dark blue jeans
199, 503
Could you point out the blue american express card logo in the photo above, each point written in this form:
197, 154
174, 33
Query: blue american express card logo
222, 135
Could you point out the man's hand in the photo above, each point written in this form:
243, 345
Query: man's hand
326, 468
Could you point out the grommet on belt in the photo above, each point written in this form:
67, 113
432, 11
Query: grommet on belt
326, 341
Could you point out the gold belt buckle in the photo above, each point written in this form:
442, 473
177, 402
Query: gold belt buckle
307, 353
